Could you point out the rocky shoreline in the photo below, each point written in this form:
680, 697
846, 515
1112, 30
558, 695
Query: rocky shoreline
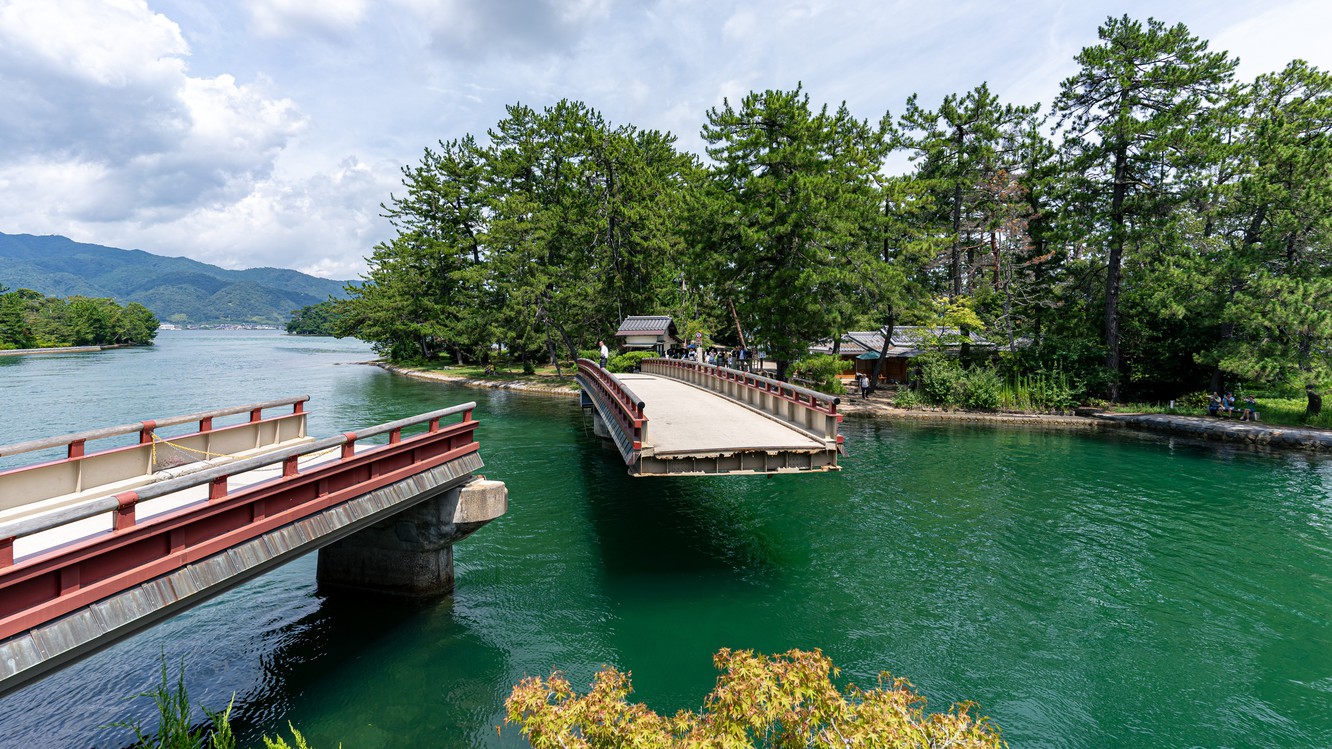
1197, 427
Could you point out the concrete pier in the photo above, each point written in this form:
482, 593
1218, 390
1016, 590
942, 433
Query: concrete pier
410, 554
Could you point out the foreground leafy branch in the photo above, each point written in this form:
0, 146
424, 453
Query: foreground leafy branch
786, 700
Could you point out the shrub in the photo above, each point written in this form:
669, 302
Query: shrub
906, 398
787, 700
628, 361
528, 367
820, 371
940, 379
1192, 401
980, 389
1039, 391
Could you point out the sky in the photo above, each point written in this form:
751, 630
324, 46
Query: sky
249, 133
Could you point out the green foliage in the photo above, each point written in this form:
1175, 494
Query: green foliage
1170, 231
790, 199
907, 398
176, 728
277, 742
1039, 391
981, 389
787, 700
819, 372
31, 320
628, 361
941, 379
315, 319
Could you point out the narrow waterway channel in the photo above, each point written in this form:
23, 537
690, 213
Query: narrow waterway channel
1087, 590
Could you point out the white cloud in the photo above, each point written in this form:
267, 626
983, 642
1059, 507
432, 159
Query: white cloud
289, 17
267, 132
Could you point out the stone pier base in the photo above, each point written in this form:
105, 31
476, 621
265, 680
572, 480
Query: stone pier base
411, 553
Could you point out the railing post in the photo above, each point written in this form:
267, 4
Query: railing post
125, 510
74, 449
349, 447
206, 424
395, 436
146, 432
256, 414
7, 552
434, 423
217, 489
298, 407
290, 467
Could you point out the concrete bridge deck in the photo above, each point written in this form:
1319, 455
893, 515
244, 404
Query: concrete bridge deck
684, 418
687, 420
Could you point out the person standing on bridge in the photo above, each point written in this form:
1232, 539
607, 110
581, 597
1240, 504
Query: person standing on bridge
605, 353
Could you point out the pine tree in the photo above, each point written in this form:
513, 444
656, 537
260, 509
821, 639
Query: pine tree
1135, 117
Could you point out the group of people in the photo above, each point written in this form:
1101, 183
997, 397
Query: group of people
734, 358
1224, 405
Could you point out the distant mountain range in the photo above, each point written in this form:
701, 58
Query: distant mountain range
176, 289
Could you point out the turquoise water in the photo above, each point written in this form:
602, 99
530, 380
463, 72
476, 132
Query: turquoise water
1086, 591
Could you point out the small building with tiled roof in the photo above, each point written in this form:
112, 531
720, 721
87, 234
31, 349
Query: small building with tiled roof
909, 341
648, 332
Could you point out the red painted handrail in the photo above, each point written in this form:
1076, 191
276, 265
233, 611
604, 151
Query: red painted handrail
61, 580
629, 411
811, 399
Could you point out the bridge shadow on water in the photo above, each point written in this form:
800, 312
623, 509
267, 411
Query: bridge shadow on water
340, 669
676, 526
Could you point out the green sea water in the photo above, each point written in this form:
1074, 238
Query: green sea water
1085, 590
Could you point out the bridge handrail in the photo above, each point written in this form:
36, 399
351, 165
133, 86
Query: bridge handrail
631, 406
125, 501
75, 441
811, 399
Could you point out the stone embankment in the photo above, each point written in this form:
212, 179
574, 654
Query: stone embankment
539, 388
1197, 427
1227, 430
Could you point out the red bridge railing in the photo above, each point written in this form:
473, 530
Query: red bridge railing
53, 582
625, 407
809, 410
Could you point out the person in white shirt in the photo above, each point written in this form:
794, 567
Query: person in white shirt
605, 353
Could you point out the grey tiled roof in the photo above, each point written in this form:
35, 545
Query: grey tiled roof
646, 325
907, 341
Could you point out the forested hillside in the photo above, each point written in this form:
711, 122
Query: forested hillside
176, 289
1160, 228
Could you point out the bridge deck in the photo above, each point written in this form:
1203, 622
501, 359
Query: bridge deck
689, 420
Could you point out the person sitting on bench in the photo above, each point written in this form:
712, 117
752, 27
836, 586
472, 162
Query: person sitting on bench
1213, 404
1250, 412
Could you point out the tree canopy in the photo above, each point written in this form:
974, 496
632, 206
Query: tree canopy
1163, 230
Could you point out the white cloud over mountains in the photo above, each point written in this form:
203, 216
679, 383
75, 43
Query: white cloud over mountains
267, 132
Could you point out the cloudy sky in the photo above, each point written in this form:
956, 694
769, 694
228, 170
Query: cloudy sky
267, 132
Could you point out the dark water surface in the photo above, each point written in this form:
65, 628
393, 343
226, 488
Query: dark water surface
1087, 591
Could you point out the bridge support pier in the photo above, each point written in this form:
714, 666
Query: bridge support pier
410, 554
599, 426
